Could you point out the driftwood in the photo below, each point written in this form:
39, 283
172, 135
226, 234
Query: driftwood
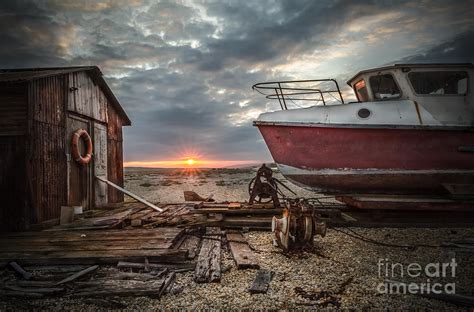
208, 267
243, 256
261, 282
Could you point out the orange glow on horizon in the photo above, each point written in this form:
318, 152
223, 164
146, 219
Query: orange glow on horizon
195, 163
189, 158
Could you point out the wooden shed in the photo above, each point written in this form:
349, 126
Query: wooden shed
40, 109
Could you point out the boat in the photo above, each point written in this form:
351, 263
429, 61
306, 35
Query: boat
409, 132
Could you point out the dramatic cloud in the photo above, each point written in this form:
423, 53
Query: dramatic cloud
183, 69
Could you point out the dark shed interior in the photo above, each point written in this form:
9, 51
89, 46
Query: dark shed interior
40, 109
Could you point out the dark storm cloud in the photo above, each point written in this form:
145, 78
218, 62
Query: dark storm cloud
460, 49
183, 69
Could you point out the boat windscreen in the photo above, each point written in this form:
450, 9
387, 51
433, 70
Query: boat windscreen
439, 82
384, 87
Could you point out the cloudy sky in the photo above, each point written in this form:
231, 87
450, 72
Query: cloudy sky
183, 70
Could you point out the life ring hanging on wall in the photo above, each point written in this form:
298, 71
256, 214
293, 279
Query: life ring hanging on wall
81, 133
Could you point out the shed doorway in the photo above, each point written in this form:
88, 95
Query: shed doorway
79, 176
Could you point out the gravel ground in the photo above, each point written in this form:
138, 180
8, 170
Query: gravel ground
335, 260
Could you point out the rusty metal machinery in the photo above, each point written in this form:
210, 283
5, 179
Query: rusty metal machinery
298, 226
264, 188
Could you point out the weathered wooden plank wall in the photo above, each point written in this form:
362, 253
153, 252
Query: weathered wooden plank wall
86, 98
46, 158
13, 105
34, 144
115, 154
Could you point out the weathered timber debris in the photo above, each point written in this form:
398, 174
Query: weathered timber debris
190, 243
193, 196
91, 247
208, 267
77, 275
176, 267
261, 282
18, 269
96, 282
244, 257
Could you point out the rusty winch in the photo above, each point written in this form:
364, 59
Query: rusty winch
298, 226
264, 188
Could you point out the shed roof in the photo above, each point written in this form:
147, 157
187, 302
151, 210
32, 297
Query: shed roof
413, 65
26, 74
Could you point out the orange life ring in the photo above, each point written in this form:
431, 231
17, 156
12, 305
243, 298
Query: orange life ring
81, 133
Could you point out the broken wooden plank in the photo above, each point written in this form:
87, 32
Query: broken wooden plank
49, 290
105, 287
167, 284
143, 201
114, 234
95, 257
96, 223
171, 266
261, 282
56, 268
77, 275
191, 244
89, 245
127, 276
18, 269
208, 267
244, 257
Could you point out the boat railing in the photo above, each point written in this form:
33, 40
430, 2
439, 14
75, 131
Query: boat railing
325, 91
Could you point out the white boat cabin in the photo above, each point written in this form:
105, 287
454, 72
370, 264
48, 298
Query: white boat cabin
440, 89
402, 95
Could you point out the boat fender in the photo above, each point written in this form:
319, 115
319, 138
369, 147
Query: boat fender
81, 133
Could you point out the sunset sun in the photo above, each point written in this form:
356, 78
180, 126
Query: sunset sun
190, 162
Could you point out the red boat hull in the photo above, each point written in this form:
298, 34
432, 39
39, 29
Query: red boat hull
371, 160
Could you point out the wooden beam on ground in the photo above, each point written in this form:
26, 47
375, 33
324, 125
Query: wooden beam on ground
94, 257
143, 201
77, 275
208, 267
261, 282
180, 266
191, 244
244, 257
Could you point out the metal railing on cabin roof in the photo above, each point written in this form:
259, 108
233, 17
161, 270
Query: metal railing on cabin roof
294, 90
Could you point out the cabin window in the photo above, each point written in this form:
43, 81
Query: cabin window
361, 91
384, 87
439, 82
